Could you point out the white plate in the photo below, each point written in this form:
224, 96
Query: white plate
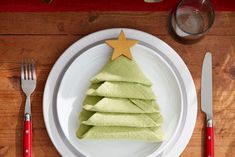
180, 140
75, 83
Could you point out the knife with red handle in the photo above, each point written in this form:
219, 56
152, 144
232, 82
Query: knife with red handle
27, 146
206, 103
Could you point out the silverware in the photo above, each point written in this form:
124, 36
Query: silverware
206, 103
28, 85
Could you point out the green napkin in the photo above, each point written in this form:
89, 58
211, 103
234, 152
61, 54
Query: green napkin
84, 115
156, 117
117, 105
146, 105
118, 132
91, 100
120, 104
133, 133
120, 119
122, 90
121, 70
82, 130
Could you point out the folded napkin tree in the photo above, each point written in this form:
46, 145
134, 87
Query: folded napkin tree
120, 103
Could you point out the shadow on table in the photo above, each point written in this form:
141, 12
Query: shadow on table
19, 129
203, 135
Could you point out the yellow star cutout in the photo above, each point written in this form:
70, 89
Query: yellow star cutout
121, 46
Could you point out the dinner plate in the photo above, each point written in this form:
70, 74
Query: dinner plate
61, 138
76, 81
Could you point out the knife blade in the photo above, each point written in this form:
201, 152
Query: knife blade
206, 103
206, 86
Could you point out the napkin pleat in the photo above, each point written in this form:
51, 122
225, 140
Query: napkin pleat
120, 119
122, 90
121, 70
119, 105
136, 133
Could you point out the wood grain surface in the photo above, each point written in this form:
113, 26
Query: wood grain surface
44, 37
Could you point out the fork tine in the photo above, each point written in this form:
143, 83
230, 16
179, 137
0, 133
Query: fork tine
33, 70
26, 69
30, 70
22, 70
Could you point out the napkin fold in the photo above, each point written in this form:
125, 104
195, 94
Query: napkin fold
122, 90
121, 70
132, 133
122, 132
118, 105
120, 119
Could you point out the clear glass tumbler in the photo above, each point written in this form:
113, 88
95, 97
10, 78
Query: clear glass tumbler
192, 18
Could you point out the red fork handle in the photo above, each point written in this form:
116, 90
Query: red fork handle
27, 150
209, 152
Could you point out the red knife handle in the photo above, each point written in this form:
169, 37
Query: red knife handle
209, 152
27, 150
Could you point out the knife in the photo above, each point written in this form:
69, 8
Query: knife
206, 103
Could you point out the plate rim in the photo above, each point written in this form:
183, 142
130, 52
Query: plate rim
69, 54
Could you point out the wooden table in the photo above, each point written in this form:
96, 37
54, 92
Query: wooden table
44, 37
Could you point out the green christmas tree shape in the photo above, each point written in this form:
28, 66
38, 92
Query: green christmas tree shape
120, 104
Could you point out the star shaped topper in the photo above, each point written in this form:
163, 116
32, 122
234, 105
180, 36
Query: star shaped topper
121, 46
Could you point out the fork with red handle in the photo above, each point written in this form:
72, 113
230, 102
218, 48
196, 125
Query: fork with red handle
28, 85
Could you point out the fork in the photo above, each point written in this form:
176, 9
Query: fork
28, 85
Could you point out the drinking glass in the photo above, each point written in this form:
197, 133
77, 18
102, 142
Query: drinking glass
192, 18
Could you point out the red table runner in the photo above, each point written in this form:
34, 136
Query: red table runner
100, 5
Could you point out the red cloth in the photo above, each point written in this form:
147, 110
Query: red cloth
100, 5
